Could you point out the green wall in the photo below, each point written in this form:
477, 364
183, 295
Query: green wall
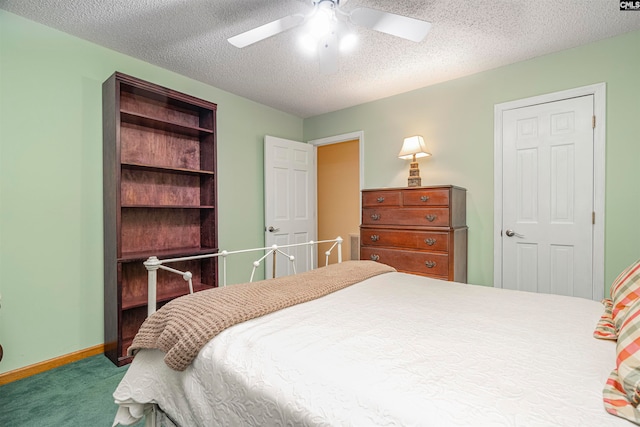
456, 119
51, 183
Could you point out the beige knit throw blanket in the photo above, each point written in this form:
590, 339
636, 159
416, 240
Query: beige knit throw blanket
183, 326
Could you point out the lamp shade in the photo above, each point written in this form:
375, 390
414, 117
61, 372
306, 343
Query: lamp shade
413, 146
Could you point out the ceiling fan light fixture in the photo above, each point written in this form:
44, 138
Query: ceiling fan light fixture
327, 30
320, 26
322, 22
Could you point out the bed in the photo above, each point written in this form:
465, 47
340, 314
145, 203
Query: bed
393, 349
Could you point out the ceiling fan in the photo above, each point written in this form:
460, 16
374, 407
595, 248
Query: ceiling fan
328, 29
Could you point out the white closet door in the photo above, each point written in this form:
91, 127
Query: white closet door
548, 197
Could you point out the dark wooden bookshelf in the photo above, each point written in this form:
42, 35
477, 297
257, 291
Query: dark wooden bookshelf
160, 199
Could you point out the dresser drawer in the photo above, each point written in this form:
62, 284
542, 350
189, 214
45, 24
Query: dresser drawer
425, 263
428, 197
381, 198
424, 240
425, 217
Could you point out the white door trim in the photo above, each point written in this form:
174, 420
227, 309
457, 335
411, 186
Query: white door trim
599, 162
359, 135
336, 139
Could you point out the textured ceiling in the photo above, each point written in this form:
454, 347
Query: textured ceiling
190, 38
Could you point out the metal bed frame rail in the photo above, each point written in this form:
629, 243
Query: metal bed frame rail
153, 264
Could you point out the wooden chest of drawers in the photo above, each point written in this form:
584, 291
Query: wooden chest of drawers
419, 230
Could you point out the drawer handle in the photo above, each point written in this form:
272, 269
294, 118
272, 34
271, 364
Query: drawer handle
375, 217
375, 257
375, 237
380, 199
430, 241
431, 218
424, 198
430, 264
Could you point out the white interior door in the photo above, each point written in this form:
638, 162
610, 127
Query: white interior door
548, 197
290, 201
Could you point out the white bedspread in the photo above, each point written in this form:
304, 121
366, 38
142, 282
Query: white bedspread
395, 350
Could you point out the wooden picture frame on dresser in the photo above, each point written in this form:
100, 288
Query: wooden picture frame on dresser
418, 230
160, 199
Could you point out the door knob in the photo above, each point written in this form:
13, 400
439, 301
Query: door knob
511, 233
272, 229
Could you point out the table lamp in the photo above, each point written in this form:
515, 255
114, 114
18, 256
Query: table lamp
413, 148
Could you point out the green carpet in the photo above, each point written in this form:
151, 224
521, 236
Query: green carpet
76, 395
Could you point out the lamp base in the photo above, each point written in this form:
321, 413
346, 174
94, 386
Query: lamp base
415, 181
414, 175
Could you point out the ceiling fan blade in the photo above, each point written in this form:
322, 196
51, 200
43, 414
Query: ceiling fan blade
328, 54
265, 31
390, 23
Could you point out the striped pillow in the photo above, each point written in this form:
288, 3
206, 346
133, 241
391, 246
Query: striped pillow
624, 291
621, 393
606, 329
616, 402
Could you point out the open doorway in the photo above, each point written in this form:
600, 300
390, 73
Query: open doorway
339, 181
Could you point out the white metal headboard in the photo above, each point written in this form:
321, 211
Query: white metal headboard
153, 264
